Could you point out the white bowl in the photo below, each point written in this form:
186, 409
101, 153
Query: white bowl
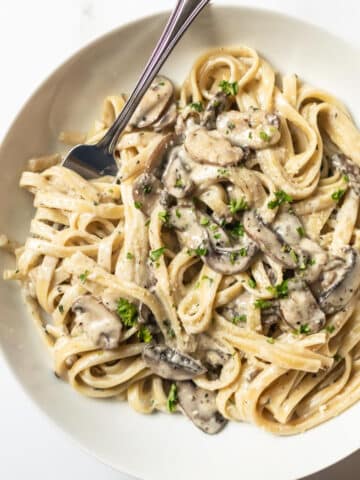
161, 446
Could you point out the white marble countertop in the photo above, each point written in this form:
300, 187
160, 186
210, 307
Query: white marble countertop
35, 37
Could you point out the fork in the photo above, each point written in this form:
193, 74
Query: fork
93, 161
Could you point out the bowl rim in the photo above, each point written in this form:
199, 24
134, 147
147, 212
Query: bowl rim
286, 17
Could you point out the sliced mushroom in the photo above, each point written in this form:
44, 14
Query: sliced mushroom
208, 147
101, 326
255, 129
288, 226
146, 191
219, 103
156, 160
339, 281
176, 177
270, 318
268, 241
349, 168
154, 103
200, 406
232, 260
171, 364
167, 120
300, 309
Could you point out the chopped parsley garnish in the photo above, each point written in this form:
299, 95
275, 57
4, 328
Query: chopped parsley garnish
305, 329
280, 198
243, 251
281, 290
230, 88
346, 178
252, 283
231, 125
205, 277
217, 236
261, 303
127, 312
83, 276
338, 195
144, 334
233, 257
250, 135
236, 230
147, 189
177, 213
223, 171
172, 398
301, 232
337, 357
201, 251
156, 254
197, 106
164, 216
239, 319
270, 340
138, 205
330, 328
179, 183
61, 308
264, 136
238, 205
129, 256
294, 256
204, 221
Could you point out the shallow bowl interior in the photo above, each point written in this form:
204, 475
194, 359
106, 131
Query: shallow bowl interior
159, 446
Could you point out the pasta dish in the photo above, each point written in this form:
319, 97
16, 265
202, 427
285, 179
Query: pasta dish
217, 274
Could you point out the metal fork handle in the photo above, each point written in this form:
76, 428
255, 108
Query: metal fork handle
181, 18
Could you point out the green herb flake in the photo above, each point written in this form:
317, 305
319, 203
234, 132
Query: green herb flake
305, 329
201, 251
301, 232
179, 183
337, 357
264, 136
239, 319
346, 178
279, 291
294, 256
177, 213
204, 221
250, 135
281, 197
243, 251
197, 106
61, 308
233, 257
205, 277
172, 398
217, 236
144, 334
252, 283
337, 196
83, 276
330, 328
164, 216
230, 88
129, 256
156, 254
231, 125
147, 189
127, 312
236, 230
238, 205
261, 303
138, 205
223, 172
270, 340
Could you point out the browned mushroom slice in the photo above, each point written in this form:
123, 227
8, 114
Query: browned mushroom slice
199, 406
154, 103
146, 191
176, 177
101, 326
300, 309
208, 147
167, 120
348, 168
171, 364
268, 241
255, 129
231, 260
216, 105
339, 281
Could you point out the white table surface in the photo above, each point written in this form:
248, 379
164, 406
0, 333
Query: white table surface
35, 37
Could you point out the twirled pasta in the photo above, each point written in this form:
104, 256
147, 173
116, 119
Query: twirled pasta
96, 239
